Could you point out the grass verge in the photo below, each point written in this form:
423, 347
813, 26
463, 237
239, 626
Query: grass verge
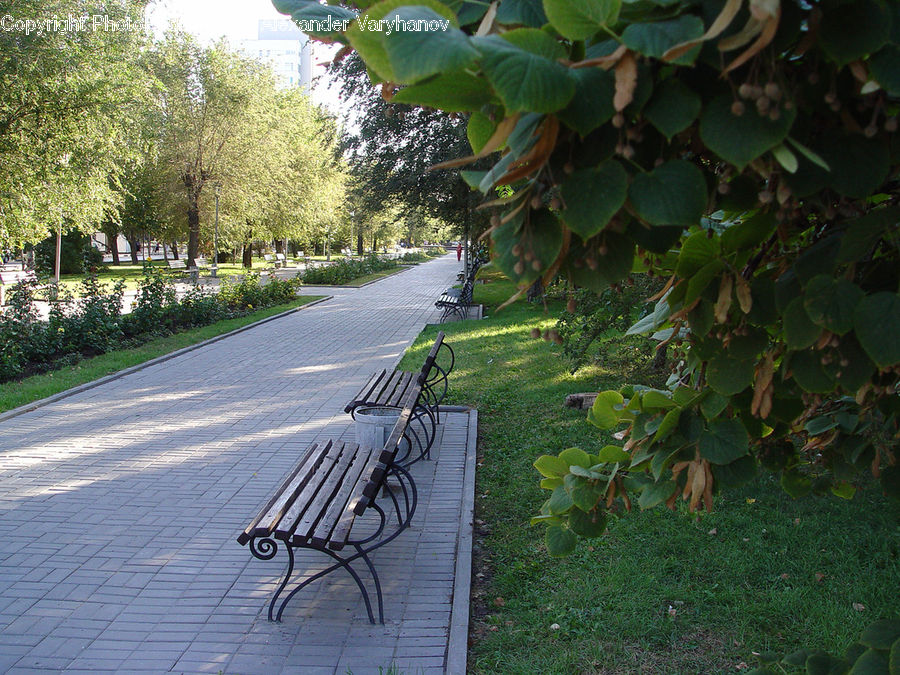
15, 394
661, 592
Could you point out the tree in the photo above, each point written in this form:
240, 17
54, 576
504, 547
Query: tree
391, 145
61, 105
744, 151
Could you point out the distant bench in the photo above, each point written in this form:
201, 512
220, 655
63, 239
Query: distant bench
317, 505
13, 277
181, 266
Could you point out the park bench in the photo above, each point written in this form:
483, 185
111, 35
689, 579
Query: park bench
273, 260
280, 260
13, 277
387, 388
456, 301
180, 267
322, 499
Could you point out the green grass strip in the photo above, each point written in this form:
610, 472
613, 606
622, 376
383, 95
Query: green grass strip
22, 392
661, 591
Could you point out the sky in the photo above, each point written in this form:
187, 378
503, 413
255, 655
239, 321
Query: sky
236, 20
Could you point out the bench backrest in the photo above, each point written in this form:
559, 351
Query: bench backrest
279, 256
15, 276
177, 264
268, 257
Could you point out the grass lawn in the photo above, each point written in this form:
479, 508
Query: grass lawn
14, 394
661, 592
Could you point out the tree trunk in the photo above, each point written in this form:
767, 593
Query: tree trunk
193, 231
113, 246
279, 246
174, 250
374, 245
165, 251
359, 245
659, 359
133, 245
247, 255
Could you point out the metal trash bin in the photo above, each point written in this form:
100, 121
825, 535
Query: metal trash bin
374, 424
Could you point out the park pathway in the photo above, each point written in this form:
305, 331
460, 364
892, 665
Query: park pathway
120, 505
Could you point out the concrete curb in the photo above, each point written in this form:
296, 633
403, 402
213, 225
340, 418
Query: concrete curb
458, 647
40, 403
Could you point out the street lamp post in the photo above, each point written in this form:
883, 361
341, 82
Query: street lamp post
214, 269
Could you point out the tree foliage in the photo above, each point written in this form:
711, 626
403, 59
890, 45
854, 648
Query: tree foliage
390, 147
64, 103
743, 150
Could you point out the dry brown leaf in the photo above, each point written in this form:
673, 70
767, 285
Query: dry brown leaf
764, 373
663, 291
765, 407
626, 81
487, 23
763, 9
726, 16
698, 485
858, 606
388, 89
604, 62
765, 37
750, 30
742, 291
497, 139
707, 490
859, 71
723, 304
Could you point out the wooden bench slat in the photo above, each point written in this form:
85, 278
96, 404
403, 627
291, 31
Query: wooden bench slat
248, 533
400, 390
390, 384
341, 531
300, 503
338, 505
329, 486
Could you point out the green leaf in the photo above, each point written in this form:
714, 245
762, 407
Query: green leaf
592, 104
864, 233
580, 19
591, 197
894, 656
417, 54
576, 457
671, 194
885, 68
585, 494
560, 542
603, 413
450, 92
786, 158
655, 494
881, 634
366, 37
739, 472
809, 373
551, 466
673, 107
890, 483
849, 31
590, 525
560, 501
536, 42
697, 251
748, 233
521, 12
473, 178
547, 520
309, 11
729, 376
613, 454
702, 278
830, 302
668, 425
871, 663
551, 483
876, 321
859, 165
741, 139
653, 399
724, 441
524, 80
713, 405
809, 154
799, 330
796, 485
843, 490
818, 663
654, 39
479, 130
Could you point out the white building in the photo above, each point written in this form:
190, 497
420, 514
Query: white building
286, 47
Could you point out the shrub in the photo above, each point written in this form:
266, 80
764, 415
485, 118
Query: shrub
342, 271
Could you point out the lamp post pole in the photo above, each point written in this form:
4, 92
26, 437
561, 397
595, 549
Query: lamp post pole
214, 269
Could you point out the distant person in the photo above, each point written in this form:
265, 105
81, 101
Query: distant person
459, 252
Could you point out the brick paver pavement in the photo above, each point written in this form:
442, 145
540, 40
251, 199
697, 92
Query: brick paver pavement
119, 507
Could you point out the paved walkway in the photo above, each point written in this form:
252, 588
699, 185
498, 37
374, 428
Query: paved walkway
120, 505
